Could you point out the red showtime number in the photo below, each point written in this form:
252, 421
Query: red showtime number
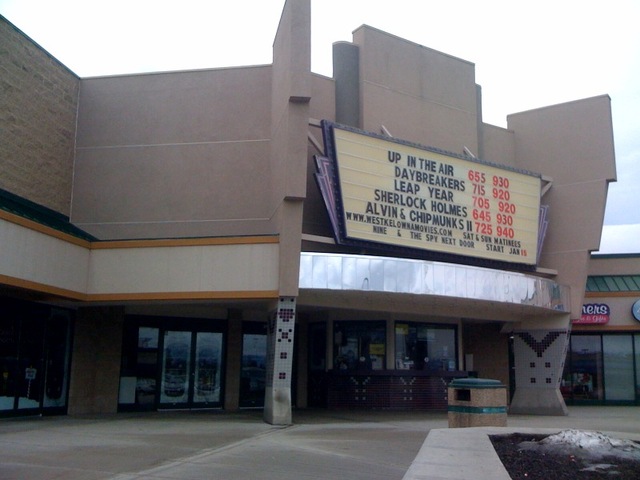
476, 177
481, 215
480, 202
504, 219
507, 232
484, 228
500, 182
506, 207
501, 194
478, 189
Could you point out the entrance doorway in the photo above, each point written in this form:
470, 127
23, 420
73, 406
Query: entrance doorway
191, 371
34, 358
254, 365
170, 363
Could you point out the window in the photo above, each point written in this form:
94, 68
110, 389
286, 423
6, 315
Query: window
618, 367
359, 345
254, 364
583, 375
425, 347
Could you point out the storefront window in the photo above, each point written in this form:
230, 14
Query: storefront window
34, 358
8, 362
359, 345
636, 340
57, 352
254, 365
583, 375
618, 367
166, 366
317, 347
206, 368
139, 367
603, 368
425, 347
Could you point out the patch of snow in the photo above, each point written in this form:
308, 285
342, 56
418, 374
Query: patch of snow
586, 444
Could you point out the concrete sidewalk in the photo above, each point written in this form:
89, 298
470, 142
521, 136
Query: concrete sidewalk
320, 445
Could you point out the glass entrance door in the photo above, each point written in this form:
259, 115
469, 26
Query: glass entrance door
176, 368
190, 376
254, 365
34, 359
207, 369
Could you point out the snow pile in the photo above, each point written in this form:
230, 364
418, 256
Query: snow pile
586, 445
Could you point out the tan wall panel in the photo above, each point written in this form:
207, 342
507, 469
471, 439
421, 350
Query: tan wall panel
417, 93
322, 105
575, 216
175, 107
238, 268
180, 154
571, 142
498, 145
415, 70
173, 190
614, 265
28, 255
417, 120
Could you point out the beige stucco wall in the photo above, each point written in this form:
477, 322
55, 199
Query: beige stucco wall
614, 264
235, 269
417, 93
42, 259
573, 144
38, 108
178, 154
34, 259
498, 145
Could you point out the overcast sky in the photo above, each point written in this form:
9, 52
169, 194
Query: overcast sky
527, 54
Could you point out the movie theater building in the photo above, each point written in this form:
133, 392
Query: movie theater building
266, 237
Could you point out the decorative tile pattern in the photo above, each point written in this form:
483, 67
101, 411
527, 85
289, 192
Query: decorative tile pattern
539, 346
280, 335
539, 357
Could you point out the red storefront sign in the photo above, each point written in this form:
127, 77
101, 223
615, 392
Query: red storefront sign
594, 314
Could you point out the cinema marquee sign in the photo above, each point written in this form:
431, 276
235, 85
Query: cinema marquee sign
385, 191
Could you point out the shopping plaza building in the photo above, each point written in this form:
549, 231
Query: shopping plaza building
266, 237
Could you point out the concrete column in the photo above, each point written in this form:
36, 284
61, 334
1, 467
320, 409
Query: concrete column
539, 361
234, 361
280, 335
346, 75
95, 361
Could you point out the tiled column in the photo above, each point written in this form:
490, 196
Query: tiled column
280, 334
539, 360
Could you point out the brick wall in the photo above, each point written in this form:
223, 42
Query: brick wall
38, 109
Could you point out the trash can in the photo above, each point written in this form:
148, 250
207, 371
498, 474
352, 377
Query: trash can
477, 402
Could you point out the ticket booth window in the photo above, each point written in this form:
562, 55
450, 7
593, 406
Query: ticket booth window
425, 347
359, 346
